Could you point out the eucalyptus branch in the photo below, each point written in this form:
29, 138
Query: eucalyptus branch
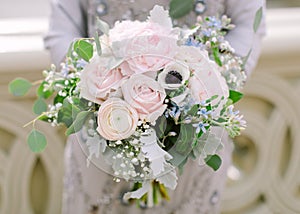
38, 117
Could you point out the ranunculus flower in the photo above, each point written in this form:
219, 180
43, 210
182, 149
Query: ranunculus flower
97, 81
145, 95
117, 120
174, 75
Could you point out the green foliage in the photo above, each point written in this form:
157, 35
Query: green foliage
67, 113
78, 122
84, 49
102, 26
42, 92
39, 106
19, 87
98, 44
183, 145
179, 8
37, 141
216, 54
214, 161
193, 111
181, 165
245, 59
235, 96
258, 18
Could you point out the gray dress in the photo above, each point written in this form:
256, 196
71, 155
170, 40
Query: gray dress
89, 190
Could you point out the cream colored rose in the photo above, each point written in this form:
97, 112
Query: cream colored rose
145, 95
174, 75
117, 120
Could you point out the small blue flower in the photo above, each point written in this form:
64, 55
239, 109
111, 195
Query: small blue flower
206, 32
65, 70
216, 23
231, 112
81, 63
203, 112
192, 42
201, 127
174, 112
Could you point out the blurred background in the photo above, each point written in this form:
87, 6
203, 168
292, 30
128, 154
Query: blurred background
265, 175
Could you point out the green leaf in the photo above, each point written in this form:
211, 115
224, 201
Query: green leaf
37, 141
98, 44
70, 50
42, 93
235, 96
67, 113
216, 55
84, 49
39, 106
19, 87
258, 18
181, 166
78, 123
179, 8
102, 26
213, 161
245, 59
193, 111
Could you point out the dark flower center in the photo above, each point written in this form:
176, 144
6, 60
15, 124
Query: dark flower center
173, 77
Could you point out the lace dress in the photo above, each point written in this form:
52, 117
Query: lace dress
89, 190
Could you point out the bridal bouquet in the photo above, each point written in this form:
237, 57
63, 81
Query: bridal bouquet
144, 98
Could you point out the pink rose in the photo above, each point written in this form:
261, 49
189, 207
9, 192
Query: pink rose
117, 120
97, 82
207, 81
146, 96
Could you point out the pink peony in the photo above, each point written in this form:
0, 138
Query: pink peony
146, 46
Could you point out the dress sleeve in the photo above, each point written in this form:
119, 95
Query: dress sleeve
67, 21
243, 38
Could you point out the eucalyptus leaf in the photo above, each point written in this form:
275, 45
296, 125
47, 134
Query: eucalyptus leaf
37, 141
78, 122
102, 26
235, 96
67, 113
258, 18
98, 44
214, 161
19, 87
39, 106
84, 49
70, 50
43, 92
179, 8
245, 59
